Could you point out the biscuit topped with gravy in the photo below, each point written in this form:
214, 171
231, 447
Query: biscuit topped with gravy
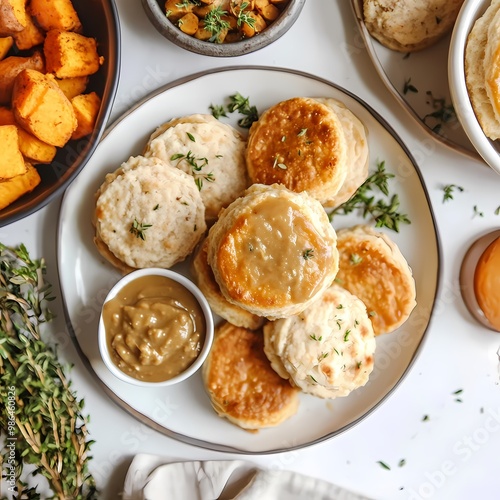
273, 251
240, 382
212, 152
299, 143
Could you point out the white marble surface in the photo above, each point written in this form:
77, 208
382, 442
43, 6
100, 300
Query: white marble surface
451, 455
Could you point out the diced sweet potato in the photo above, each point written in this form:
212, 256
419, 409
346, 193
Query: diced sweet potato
30, 36
68, 55
55, 14
12, 16
86, 107
42, 109
15, 187
5, 45
175, 9
33, 149
10, 67
188, 24
73, 86
11, 159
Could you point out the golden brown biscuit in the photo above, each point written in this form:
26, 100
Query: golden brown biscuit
327, 350
241, 384
410, 25
204, 278
356, 138
273, 251
298, 143
373, 268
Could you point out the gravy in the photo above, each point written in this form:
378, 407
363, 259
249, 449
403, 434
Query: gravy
155, 328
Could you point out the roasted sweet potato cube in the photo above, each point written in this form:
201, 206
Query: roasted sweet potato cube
260, 25
42, 109
11, 159
175, 9
269, 12
33, 149
188, 24
30, 36
55, 14
11, 66
19, 185
5, 45
12, 16
73, 86
86, 107
68, 55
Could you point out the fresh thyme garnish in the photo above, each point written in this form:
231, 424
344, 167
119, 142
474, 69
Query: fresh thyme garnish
308, 253
317, 339
477, 212
214, 23
156, 207
355, 259
240, 104
444, 113
383, 465
322, 356
448, 191
197, 165
41, 420
139, 228
497, 211
425, 418
313, 379
346, 335
185, 4
191, 137
409, 87
244, 17
302, 132
402, 462
384, 213
217, 110
340, 306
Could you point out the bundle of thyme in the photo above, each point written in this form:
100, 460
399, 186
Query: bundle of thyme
40, 417
384, 210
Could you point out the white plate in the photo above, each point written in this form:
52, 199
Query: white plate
183, 411
426, 71
488, 149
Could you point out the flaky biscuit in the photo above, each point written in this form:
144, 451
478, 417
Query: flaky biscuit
147, 214
327, 350
299, 143
212, 152
273, 251
355, 134
240, 382
410, 25
373, 268
204, 278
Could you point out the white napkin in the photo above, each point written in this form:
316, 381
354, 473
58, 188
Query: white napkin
154, 478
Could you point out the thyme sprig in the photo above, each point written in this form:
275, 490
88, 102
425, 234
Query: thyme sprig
383, 211
41, 418
138, 229
244, 17
215, 24
443, 113
197, 165
240, 104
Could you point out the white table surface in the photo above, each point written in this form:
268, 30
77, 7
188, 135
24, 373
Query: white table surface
452, 455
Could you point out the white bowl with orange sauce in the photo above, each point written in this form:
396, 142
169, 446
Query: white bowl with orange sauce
156, 328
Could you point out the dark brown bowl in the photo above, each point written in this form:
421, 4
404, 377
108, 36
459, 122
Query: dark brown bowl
100, 20
155, 11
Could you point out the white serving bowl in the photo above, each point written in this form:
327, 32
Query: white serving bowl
207, 313
488, 149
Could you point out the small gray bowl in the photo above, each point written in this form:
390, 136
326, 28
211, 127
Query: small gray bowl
156, 14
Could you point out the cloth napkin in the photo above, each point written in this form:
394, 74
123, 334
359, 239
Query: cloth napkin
150, 477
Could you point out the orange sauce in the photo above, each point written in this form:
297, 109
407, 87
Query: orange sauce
487, 283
